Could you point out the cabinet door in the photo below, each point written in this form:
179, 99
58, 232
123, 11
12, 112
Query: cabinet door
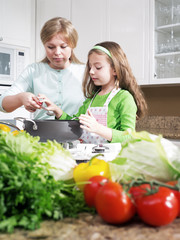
45, 10
165, 47
89, 19
128, 24
15, 18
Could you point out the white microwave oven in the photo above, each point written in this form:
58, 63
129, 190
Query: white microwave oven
13, 60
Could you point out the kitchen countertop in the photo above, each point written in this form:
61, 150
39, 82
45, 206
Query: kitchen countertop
92, 227
168, 127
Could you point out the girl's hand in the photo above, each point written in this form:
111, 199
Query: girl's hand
50, 105
89, 123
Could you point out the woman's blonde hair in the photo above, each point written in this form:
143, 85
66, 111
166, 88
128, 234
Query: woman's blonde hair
124, 76
60, 25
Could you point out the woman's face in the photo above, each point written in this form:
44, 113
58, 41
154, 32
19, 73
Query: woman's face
58, 52
100, 70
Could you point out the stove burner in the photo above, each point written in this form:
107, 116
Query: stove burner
84, 152
100, 148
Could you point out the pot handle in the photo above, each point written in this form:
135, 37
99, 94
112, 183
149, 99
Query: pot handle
22, 119
10, 124
75, 118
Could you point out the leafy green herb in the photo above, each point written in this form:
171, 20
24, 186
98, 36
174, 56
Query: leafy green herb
28, 191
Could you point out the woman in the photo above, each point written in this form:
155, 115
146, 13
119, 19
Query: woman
59, 75
114, 99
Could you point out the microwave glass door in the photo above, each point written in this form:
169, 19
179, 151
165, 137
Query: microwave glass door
6, 65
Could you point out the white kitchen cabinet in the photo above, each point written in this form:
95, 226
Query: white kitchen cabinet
16, 22
115, 21
128, 25
45, 10
165, 47
90, 20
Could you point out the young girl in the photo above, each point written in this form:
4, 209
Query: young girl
58, 76
114, 100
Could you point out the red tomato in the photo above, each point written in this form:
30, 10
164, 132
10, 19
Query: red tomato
176, 192
139, 191
158, 209
90, 190
113, 204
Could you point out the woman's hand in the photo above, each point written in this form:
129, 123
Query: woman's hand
29, 100
12, 102
50, 105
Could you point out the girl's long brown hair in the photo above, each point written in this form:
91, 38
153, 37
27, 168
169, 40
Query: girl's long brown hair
125, 78
60, 25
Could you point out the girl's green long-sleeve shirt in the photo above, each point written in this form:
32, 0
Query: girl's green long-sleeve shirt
121, 113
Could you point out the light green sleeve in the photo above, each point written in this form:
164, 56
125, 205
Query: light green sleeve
125, 116
119, 136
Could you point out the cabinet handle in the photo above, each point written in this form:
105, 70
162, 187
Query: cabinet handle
155, 75
1, 38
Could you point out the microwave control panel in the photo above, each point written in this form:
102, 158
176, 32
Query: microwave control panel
20, 55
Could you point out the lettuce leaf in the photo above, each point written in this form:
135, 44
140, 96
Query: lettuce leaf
148, 156
59, 161
51, 156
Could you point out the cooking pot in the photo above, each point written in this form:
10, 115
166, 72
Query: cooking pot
59, 130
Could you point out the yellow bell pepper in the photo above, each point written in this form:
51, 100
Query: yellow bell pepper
16, 132
84, 171
5, 128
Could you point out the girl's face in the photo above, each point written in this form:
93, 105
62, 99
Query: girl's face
58, 52
100, 70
